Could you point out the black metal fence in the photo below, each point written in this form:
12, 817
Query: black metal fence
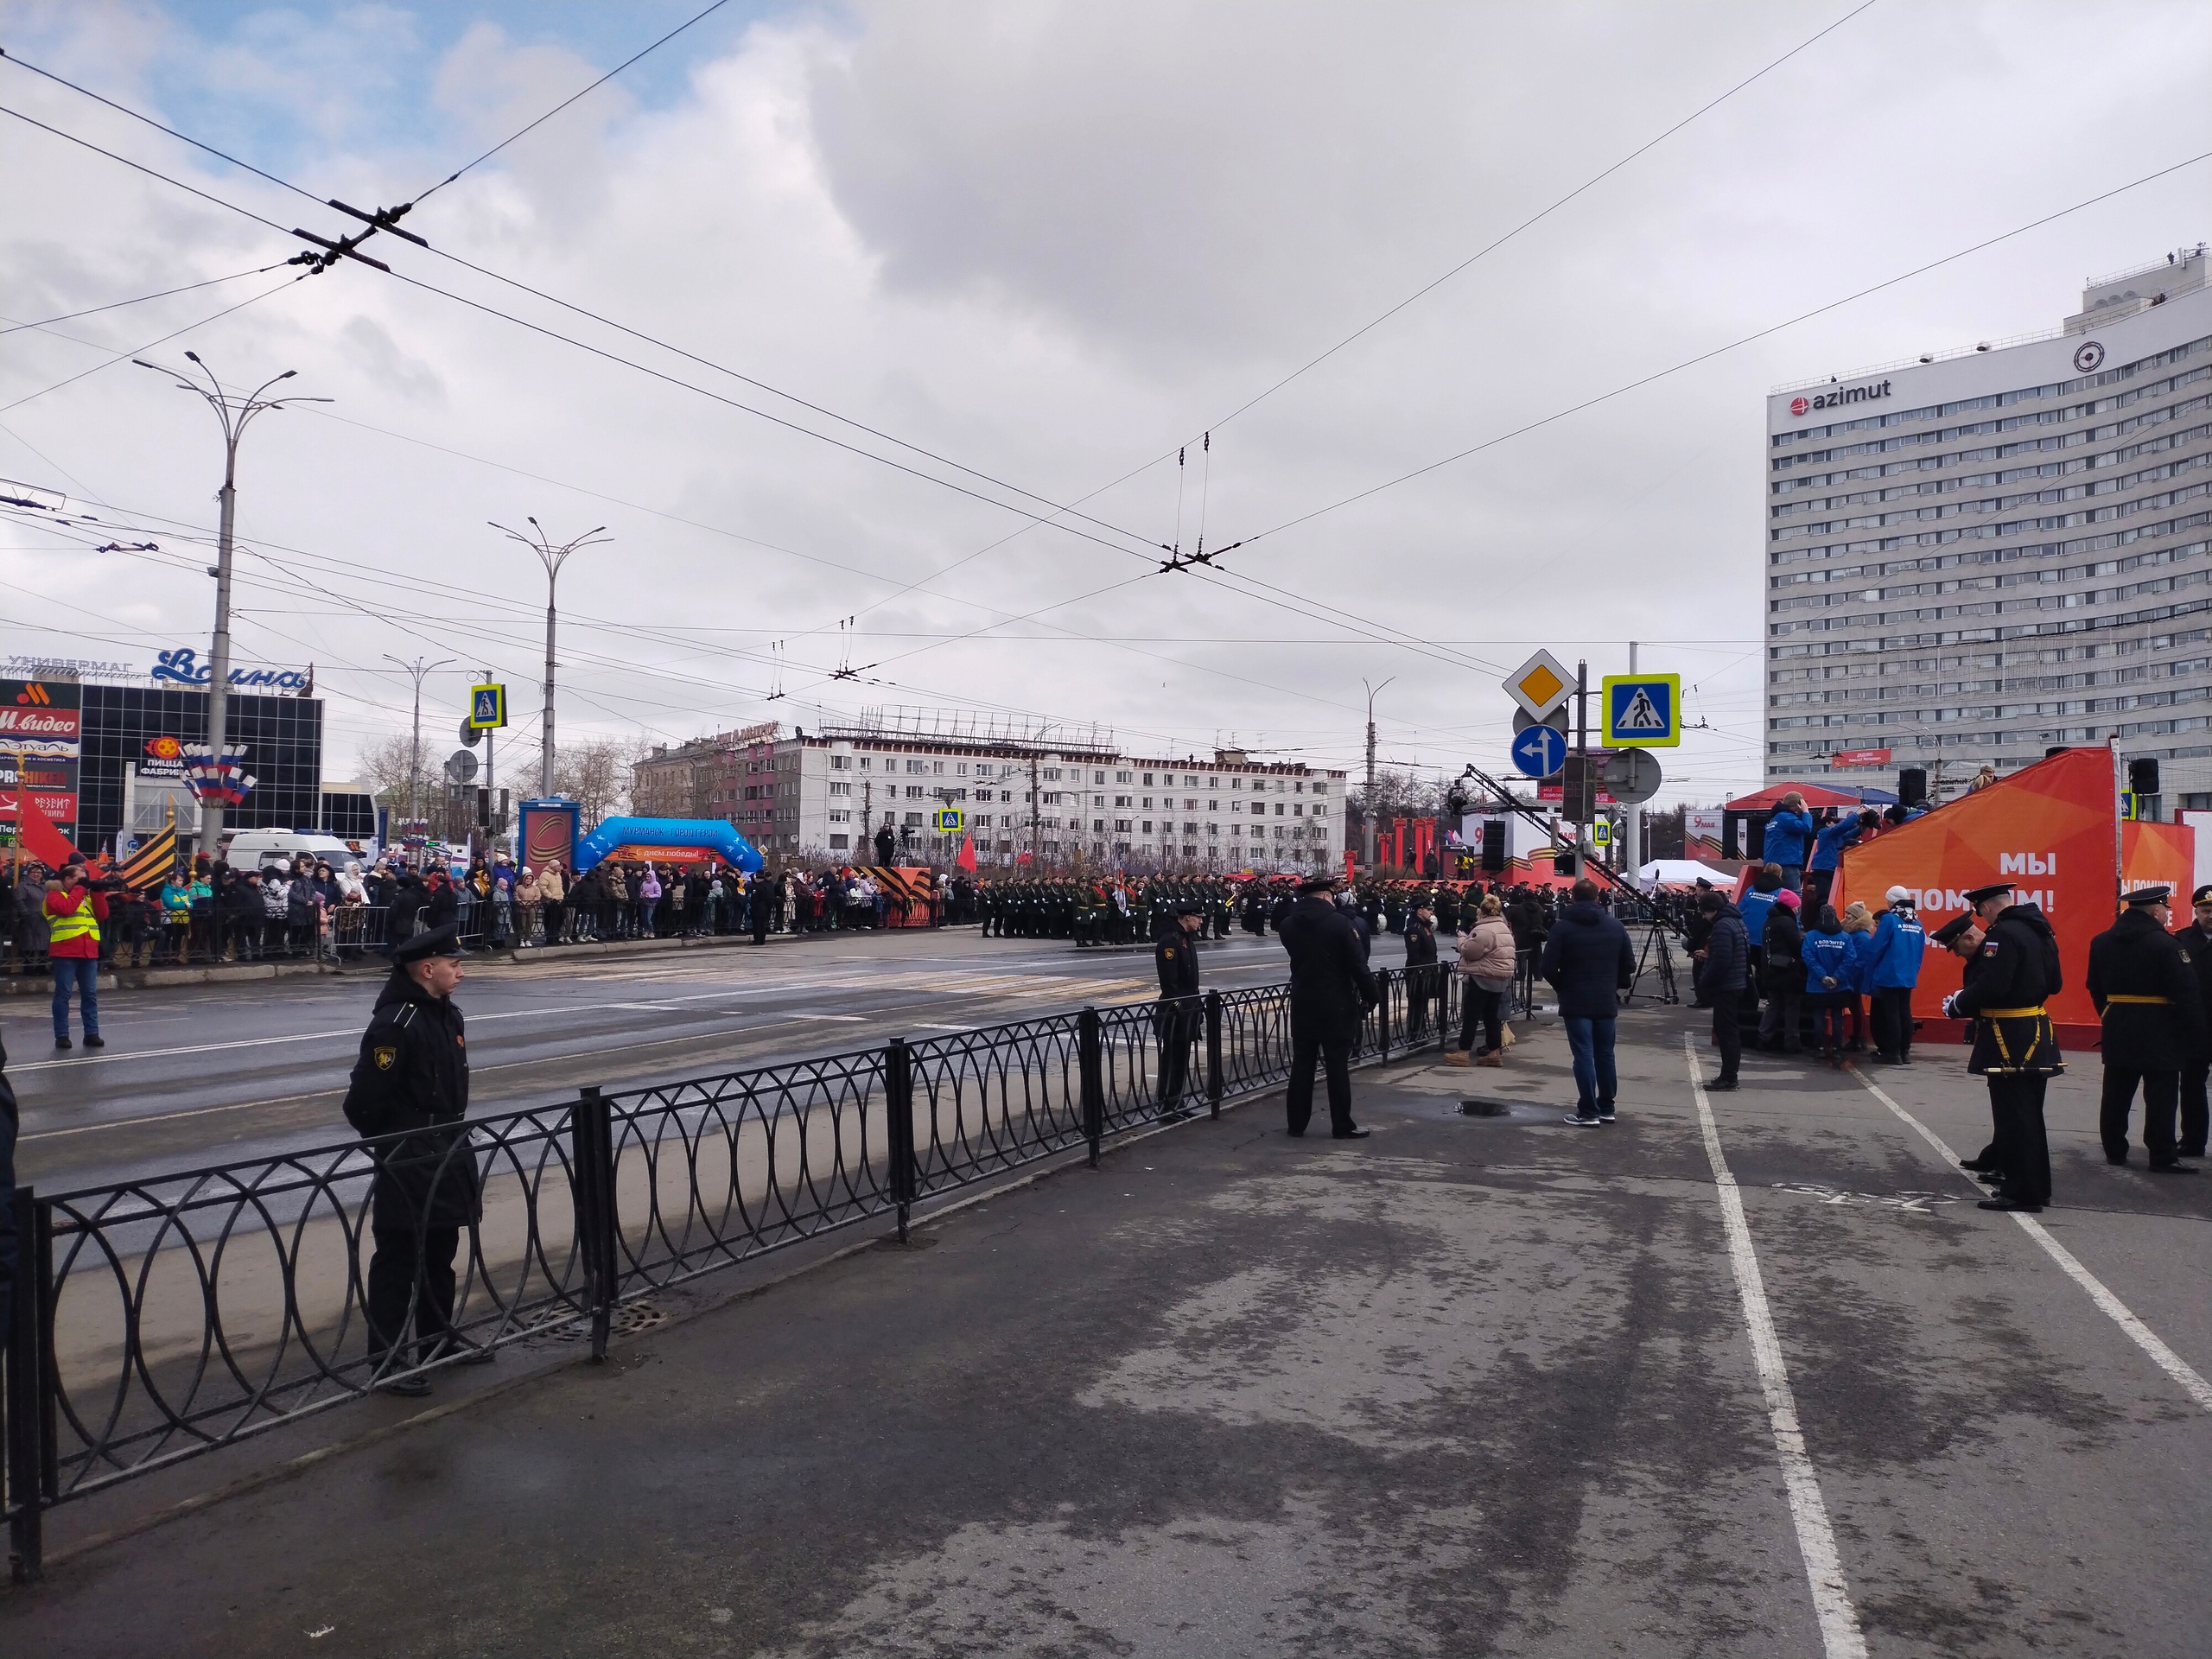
161, 1319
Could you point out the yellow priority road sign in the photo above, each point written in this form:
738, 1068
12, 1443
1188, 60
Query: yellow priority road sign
1540, 684
951, 819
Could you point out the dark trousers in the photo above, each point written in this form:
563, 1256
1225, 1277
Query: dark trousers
1728, 1036
1779, 1026
1478, 1004
1334, 1053
2023, 1154
2161, 1094
1423, 986
1818, 884
395, 1274
1175, 1026
2194, 1115
1892, 1016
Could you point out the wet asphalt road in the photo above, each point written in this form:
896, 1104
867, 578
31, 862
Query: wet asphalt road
1471, 1387
202, 1074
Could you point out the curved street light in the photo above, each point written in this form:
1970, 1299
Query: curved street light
233, 414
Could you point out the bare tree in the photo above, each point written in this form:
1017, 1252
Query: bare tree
596, 775
1398, 794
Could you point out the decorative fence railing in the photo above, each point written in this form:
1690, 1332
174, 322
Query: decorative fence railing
161, 1319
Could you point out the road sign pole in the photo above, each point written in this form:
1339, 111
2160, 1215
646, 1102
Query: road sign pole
1635, 811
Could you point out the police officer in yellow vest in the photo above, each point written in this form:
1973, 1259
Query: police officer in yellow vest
74, 911
2144, 988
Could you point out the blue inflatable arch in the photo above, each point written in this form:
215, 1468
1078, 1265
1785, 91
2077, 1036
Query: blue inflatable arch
667, 838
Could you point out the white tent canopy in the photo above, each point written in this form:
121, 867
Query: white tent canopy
1682, 871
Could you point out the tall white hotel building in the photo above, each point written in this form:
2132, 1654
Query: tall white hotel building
1975, 556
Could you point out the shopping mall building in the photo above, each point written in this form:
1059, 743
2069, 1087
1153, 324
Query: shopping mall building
102, 760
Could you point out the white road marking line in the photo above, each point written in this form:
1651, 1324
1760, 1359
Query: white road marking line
1841, 1637
841, 1018
2191, 1380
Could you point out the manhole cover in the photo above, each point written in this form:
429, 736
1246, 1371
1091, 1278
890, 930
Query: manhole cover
561, 1326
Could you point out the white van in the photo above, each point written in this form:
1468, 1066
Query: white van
259, 848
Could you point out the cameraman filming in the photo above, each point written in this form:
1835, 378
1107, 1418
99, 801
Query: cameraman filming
74, 910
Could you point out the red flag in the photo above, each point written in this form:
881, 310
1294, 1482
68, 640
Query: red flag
36, 830
967, 859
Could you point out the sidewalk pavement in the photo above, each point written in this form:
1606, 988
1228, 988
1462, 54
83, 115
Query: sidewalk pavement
1474, 1385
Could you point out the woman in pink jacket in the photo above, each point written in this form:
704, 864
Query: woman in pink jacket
1487, 961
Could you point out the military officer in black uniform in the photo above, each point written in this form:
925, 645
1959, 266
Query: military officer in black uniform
1178, 1014
1423, 984
2145, 989
2197, 939
1175, 1018
2015, 1049
411, 1082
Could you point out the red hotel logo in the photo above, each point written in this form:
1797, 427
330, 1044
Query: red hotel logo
1838, 397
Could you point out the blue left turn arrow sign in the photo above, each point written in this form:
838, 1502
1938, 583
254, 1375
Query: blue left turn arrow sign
1540, 751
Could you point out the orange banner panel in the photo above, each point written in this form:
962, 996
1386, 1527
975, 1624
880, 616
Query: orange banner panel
2054, 829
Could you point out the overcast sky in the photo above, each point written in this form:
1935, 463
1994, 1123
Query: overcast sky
1051, 244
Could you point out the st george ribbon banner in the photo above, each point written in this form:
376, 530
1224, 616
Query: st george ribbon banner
1859, 758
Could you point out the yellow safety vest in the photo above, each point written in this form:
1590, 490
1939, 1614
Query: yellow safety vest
77, 923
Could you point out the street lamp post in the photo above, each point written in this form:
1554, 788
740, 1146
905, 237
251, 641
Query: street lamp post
1367, 813
414, 751
233, 413
553, 558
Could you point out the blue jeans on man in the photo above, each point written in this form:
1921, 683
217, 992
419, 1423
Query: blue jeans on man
1591, 1043
84, 973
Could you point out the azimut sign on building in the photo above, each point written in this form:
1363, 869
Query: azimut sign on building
1838, 399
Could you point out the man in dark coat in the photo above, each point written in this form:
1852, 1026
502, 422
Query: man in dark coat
9, 1222
2015, 1049
2144, 986
1175, 1017
1723, 964
411, 1083
1424, 982
407, 899
1331, 991
1588, 960
2197, 939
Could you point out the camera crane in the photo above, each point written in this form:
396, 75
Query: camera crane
1654, 957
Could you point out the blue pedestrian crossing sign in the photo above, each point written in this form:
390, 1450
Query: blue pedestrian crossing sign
950, 819
1540, 750
1643, 711
487, 708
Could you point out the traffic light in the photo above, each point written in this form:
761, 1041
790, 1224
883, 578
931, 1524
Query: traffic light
2143, 776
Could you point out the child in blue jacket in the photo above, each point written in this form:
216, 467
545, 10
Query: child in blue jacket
1892, 969
1828, 981
1858, 928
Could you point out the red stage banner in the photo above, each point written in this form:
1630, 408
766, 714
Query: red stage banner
2055, 829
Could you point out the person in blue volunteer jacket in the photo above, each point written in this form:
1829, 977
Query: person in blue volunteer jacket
1828, 981
1858, 928
1892, 969
1789, 834
1827, 852
1755, 904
